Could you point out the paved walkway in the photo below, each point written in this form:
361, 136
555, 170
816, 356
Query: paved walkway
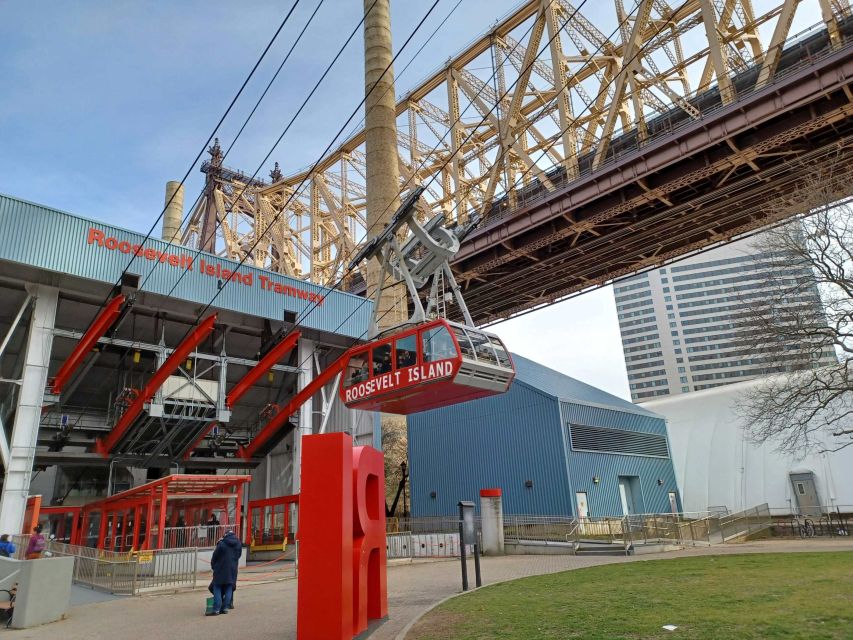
266, 611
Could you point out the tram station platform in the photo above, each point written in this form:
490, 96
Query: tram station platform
124, 358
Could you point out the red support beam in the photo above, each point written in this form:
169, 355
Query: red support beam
104, 445
280, 419
251, 377
96, 330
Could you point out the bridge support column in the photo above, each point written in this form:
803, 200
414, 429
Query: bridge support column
22, 446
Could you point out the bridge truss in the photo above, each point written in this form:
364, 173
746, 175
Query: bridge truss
540, 101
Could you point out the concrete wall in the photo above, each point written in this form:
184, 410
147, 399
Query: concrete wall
44, 589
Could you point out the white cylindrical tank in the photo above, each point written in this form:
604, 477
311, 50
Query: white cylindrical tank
174, 211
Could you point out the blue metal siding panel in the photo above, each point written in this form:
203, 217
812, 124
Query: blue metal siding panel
494, 442
56, 241
604, 497
567, 388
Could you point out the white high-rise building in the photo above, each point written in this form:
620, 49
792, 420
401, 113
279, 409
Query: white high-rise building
681, 324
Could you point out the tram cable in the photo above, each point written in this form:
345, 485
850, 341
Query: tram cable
272, 80
322, 155
304, 103
305, 313
313, 306
210, 137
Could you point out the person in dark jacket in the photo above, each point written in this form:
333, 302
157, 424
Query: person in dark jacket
224, 563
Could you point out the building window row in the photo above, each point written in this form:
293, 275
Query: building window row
744, 278
718, 263
646, 329
644, 356
648, 320
642, 365
718, 336
640, 312
642, 347
704, 302
633, 305
645, 293
650, 383
762, 267
651, 394
646, 374
716, 327
644, 283
742, 373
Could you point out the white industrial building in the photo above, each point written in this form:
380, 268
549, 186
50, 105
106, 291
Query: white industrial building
716, 464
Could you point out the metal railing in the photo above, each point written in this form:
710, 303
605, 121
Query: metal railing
200, 536
745, 523
130, 573
428, 537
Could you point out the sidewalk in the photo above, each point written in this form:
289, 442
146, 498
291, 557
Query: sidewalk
267, 611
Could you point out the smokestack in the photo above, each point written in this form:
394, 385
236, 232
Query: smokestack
380, 131
174, 211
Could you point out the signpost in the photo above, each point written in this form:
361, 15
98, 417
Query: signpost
468, 535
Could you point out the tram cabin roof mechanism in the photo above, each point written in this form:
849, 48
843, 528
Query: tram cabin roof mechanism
427, 362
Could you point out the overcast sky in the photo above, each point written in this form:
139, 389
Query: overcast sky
104, 101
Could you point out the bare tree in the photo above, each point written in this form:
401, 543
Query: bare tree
395, 448
800, 330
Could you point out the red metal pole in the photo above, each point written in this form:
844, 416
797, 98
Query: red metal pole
137, 513
102, 529
264, 365
104, 445
161, 534
98, 328
280, 419
149, 522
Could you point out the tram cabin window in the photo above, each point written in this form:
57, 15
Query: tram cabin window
381, 359
407, 351
464, 343
483, 348
500, 351
437, 344
357, 371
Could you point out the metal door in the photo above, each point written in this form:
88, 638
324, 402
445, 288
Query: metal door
805, 493
583, 505
625, 496
673, 502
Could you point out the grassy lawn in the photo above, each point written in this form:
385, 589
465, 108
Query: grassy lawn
779, 595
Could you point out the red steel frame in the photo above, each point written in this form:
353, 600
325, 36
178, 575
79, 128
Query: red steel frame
161, 503
72, 536
261, 505
280, 419
275, 354
96, 330
104, 445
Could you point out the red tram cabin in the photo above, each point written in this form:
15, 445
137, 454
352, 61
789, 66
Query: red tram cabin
424, 367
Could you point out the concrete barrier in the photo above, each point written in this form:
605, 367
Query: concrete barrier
44, 589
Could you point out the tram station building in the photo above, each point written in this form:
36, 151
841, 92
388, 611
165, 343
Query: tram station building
552, 444
117, 370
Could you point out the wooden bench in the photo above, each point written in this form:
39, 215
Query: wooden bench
7, 607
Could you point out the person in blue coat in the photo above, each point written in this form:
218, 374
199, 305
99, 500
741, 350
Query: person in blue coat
7, 548
224, 561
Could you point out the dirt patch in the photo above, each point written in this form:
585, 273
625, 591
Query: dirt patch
436, 626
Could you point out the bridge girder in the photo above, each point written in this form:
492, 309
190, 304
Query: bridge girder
544, 91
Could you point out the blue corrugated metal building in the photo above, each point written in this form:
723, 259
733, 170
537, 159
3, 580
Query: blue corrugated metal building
554, 445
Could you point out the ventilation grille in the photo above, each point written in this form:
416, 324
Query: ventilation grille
585, 438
